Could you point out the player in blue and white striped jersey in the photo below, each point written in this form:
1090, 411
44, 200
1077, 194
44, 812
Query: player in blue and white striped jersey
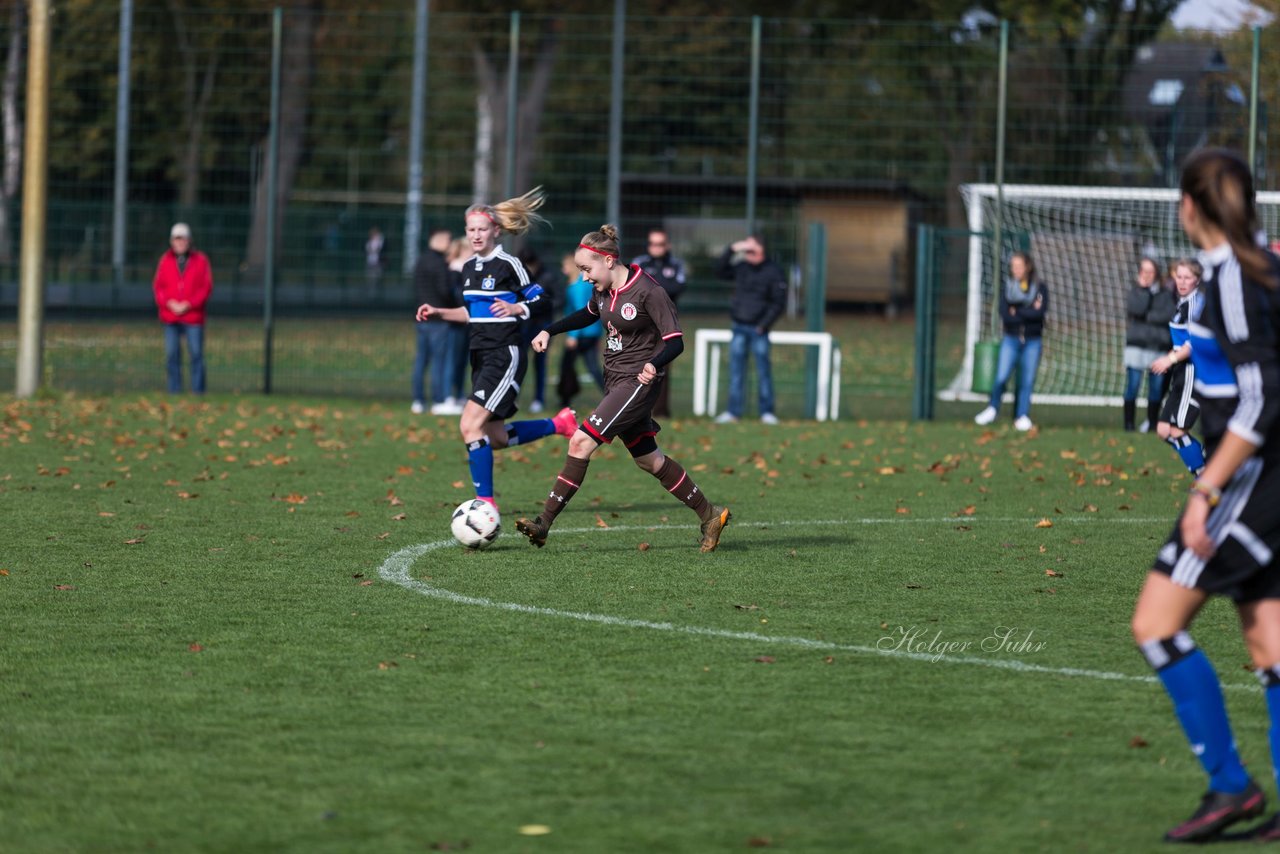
1229, 531
496, 294
1180, 405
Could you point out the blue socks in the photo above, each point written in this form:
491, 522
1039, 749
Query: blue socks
1193, 686
524, 432
1270, 679
1191, 451
480, 452
480, 458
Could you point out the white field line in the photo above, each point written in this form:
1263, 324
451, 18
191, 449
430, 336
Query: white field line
395, 569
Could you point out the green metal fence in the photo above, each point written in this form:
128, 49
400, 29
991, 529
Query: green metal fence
866, 126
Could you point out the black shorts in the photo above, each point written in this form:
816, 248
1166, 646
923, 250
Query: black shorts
625, 412
1245, 526
496, 374
1180, 406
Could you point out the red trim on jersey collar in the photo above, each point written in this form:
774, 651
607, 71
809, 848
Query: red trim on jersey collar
636, 273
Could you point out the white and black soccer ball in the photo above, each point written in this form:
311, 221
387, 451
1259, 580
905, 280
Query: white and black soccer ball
476, 524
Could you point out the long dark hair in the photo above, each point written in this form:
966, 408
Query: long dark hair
1218, 182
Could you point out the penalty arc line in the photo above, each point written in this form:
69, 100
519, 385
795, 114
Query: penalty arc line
395, 569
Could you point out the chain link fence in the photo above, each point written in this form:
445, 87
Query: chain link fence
868, 127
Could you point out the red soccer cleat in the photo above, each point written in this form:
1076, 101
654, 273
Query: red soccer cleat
566, 421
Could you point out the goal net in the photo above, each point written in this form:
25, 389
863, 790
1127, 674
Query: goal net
1086, 243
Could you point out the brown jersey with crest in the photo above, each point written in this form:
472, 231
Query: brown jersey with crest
638, 319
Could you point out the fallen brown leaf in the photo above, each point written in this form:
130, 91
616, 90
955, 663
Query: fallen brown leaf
399, 517
601, 523
1044, 523
1053, 573
136, 541
644, 547
195, 647
1138, 741
64, 587
765, 659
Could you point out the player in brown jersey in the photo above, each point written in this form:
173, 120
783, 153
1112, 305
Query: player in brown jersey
643, 336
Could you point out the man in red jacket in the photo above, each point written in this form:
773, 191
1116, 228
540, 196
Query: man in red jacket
182, 286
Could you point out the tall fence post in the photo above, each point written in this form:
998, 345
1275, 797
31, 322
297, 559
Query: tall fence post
753, 126
35, 197
1253, 103
1001, 113
120, 192
815, 307
613, 203
273, 178
513, 92
923, 392
417, 111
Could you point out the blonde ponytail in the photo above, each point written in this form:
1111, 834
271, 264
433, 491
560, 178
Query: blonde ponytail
516, 215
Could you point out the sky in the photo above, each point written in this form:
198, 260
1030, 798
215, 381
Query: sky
1218, 15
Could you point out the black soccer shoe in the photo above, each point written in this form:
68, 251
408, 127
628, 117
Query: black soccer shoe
534, 529
1217, 811
1267, 831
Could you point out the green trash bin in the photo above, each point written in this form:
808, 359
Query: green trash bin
986, 355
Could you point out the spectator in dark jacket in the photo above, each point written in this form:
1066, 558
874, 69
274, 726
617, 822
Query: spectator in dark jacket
759, 298
1149, 306
668, 271
1023, 304
432, 284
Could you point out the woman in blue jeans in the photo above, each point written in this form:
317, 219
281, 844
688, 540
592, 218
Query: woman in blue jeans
1023, 303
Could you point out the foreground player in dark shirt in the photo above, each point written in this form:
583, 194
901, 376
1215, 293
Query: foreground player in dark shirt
643, 336
1226, 538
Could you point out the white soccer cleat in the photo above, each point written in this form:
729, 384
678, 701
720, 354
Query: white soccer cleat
417, 408
1023, 423
768, 418
726, 418
986, 416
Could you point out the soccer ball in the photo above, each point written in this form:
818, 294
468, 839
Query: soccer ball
475, 524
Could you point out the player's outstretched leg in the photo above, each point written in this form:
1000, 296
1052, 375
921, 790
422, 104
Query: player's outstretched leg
523, 432
565, 487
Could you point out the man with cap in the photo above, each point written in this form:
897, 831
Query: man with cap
182, 286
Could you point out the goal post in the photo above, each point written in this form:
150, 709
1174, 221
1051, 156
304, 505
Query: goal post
1085, 243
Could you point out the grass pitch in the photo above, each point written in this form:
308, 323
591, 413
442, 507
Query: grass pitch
238, 624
